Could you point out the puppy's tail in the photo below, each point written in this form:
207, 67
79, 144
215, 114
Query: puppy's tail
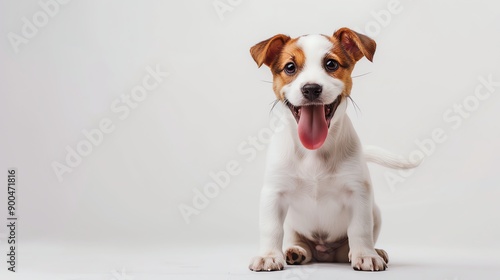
380, 156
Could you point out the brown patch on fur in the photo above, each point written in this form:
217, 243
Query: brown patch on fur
348, 48
268, 50
357, 45
290, 53
343, 73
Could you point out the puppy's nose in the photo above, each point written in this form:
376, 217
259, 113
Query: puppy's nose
311, 91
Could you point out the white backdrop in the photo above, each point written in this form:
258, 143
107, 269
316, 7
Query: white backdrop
179, 97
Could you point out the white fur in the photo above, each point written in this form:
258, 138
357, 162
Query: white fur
387, 159
327, 190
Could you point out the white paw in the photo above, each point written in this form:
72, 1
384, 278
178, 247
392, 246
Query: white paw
367, 261
270, 262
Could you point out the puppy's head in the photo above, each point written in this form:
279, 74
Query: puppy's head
312, 76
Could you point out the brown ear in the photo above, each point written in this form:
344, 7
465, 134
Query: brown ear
356, 44
266, 51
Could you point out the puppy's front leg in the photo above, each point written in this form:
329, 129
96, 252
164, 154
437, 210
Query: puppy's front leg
273, 209
362, 253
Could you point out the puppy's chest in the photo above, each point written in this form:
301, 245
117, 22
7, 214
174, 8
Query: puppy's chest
317, 183
318, 191
314, 168
327, 192
319, 206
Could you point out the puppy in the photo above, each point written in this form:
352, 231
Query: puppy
317, 196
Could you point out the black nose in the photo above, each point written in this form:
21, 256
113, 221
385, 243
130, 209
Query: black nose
311, 91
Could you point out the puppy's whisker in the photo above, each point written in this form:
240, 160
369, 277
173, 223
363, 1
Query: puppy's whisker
361, 75
266, 81
274, 105
356, 107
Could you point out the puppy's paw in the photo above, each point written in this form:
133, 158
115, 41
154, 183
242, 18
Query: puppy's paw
383, 254
269, 262
296, 255
368, 260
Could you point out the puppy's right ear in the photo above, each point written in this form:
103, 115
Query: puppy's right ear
266, 51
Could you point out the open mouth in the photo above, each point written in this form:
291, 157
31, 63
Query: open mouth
328, 108
313, 122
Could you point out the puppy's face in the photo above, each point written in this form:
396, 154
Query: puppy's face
312, 76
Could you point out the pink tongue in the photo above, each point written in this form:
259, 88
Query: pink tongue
313, 128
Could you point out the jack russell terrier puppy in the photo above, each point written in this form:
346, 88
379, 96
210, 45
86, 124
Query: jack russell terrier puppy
317, 200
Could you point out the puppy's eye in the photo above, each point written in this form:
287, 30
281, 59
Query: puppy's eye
331, 65
290, 68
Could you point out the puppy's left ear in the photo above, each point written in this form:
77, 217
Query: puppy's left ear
267, 51
357, 45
